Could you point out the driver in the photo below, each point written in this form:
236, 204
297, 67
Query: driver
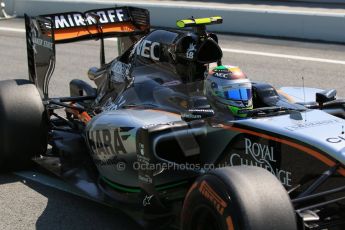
229, 91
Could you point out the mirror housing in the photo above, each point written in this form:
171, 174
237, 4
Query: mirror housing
199, 102
325, 96
197, 114
94, 72
209, 52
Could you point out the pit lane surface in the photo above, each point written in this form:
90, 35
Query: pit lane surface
28, 205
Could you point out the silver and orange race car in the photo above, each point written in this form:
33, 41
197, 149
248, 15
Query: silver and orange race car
146, 139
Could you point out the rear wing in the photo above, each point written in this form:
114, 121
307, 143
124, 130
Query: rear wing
110, 22
43, 32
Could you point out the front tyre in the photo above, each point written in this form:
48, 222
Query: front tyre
23, 124
238, 198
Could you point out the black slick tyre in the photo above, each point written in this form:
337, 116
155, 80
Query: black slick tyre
23, 124
238, 198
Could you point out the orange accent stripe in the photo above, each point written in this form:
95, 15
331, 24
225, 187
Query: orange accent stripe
229, 223
287, 96
84, 117
309, 151
71, 33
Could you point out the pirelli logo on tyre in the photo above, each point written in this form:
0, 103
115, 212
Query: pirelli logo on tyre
206, 190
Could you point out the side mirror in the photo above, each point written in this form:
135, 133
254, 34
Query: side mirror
209, 52
197, 114
94, 72
325, 96
199, 102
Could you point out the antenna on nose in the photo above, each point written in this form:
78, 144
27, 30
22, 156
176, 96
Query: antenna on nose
305, 112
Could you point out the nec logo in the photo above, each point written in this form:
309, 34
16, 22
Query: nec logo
148, 49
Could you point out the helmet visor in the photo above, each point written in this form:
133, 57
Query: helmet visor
240, 94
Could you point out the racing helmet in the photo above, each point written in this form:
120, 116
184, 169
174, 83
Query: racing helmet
228, 88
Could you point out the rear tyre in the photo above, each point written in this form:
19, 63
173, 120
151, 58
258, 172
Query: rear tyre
240, 197
23, 124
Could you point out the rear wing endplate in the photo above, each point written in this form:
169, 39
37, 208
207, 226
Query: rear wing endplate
40, 51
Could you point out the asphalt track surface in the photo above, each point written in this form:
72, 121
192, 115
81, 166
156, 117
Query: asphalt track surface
29, 205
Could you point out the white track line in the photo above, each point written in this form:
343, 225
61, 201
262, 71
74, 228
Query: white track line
284, 56
250, 52
12, 29
112, 39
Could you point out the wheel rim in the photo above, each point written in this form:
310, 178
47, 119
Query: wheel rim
205, 218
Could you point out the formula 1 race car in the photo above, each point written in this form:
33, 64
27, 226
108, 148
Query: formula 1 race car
147, 139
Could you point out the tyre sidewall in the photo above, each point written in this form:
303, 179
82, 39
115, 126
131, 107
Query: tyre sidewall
208, 191
250, 198
23, 124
